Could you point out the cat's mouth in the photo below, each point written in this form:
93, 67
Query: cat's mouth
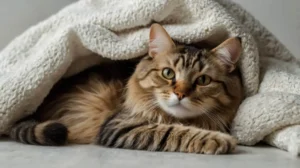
175, 107
178, 103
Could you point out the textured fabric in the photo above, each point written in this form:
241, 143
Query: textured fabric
84, 33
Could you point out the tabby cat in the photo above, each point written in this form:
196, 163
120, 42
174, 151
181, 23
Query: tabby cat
178, 98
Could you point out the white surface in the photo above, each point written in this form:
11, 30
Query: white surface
280, 18
14, 155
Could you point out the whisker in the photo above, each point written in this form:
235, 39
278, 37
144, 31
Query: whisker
221, 122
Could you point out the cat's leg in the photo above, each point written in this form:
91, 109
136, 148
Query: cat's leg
50, 133
161, 137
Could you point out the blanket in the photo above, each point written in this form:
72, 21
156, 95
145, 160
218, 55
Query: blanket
87, 32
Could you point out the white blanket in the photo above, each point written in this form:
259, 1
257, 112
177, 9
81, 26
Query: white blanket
84, 33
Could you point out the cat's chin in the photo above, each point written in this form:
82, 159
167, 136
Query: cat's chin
178, 111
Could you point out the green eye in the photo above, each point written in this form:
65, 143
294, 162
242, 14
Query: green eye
203, 80
168, 73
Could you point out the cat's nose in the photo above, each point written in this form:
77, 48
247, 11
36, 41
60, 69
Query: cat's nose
179, 95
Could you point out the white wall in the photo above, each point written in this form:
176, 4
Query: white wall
18, 15
282, 17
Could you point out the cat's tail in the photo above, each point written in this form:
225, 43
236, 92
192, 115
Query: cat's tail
51, 133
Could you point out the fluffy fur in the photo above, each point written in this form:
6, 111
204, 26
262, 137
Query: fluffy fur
179, 98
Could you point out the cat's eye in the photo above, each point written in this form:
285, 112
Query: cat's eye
168, 73
203, 80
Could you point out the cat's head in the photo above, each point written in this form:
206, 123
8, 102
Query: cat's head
185, 81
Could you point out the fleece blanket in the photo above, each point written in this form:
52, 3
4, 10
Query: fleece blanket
87, 32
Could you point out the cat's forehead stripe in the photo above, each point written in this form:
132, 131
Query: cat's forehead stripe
181, 59
193, 56
190, 57
197, 60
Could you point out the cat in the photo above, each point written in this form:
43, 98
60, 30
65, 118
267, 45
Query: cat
178, 98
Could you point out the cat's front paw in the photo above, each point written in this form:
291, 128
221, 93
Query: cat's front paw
214, 143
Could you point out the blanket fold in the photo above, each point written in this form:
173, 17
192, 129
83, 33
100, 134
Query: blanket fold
88, 31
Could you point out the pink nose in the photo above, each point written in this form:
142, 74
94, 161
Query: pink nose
180, 95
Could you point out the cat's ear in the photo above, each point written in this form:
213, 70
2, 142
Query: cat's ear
159, 41
229, 52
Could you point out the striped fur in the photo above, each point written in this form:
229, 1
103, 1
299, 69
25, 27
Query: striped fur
47, 133
142, 135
